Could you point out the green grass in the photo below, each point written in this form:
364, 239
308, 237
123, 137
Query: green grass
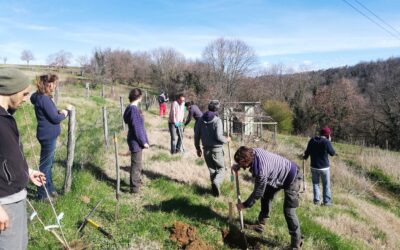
145, 219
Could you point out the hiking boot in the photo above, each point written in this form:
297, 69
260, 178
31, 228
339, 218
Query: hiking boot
259, 226
296, 244
215, 190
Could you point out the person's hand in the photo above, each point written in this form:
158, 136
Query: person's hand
235, 167
146, 145
228, 139
177, 124
4, 219
199, 152
240, 206
64, 112
37, 178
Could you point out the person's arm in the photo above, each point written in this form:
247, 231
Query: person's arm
197, 137
189, 117
137, 125
219, 133
329, 148
37, 177
259, 188
51, 112
307, 152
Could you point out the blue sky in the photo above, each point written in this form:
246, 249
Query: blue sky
301, 34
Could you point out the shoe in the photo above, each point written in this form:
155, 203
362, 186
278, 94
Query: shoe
54, 194
317, 203
134, 190
215, 190
47, 199
327, 204
259, 228
297, 244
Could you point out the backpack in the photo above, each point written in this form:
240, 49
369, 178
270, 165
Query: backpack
161, 99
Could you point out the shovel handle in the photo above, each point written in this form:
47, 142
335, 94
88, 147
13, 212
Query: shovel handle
239, 200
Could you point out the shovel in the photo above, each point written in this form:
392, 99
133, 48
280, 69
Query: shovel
239, 201
304, 178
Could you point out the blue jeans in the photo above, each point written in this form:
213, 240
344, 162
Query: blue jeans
47, 151
324, 175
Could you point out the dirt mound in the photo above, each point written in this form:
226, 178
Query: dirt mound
185, 236
234, 238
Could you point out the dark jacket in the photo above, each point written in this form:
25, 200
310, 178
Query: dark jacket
14, 173
209, 130
137, 135
318, 148
194, 112
47, 117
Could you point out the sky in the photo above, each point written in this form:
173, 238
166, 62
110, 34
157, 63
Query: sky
299, 34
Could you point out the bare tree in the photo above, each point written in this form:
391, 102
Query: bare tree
142, 66
83, 62
228, 61
5, 60
27, 55
167, 65
60, 59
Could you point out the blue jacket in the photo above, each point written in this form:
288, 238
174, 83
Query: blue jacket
318, 148
137, 136
47, 116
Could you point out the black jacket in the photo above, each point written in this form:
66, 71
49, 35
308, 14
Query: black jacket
318, 148
14, 173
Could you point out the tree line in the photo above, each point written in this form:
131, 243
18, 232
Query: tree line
361, 103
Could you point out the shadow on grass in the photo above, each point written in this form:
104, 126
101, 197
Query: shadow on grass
100, 175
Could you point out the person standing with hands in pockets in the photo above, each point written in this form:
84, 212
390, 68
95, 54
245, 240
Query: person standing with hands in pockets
14, 174
48, 129
137, 138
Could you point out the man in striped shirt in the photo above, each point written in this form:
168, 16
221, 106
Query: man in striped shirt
272, 173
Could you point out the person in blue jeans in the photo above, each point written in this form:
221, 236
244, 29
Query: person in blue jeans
48, 129
318, 148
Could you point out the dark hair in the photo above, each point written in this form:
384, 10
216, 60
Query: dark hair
179, 96
135, 94
244, 156
44, 81
188, 104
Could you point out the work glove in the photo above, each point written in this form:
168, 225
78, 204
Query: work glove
178, 124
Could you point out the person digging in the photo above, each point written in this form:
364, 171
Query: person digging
272, 173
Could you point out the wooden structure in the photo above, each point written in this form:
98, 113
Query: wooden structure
246, 119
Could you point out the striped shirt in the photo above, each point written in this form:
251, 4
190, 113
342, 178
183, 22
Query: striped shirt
267, 169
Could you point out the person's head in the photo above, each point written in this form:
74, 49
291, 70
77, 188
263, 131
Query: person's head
135, 94
326, 131
14, 88
46, 84
213, 105
188, 104
244, 157
180, 99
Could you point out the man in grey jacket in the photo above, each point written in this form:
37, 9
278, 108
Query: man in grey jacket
209, 131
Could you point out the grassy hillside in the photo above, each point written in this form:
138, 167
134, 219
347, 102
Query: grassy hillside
365, 186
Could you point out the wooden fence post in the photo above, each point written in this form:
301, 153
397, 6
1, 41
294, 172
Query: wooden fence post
57, 94
146, 101
87, 90
121, 104
117, 165
70, 149
105, 126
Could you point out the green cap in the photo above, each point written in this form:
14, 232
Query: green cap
12, 81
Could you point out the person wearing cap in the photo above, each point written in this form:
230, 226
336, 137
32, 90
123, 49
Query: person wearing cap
193, 112
14, 174
48, 129
175, 123
271, 173
209, 130
318, 148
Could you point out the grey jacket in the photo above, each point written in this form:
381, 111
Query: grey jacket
209, 130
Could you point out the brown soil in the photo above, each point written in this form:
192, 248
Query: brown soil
234, 238
185, 236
